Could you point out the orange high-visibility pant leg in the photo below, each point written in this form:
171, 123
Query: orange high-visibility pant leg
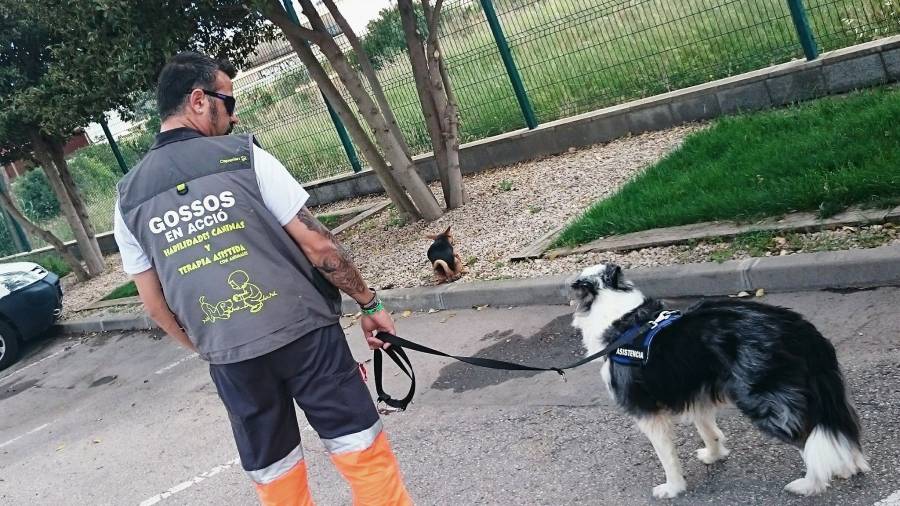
373, 474
289, 489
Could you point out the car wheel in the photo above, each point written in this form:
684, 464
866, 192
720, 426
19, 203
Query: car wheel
9, 346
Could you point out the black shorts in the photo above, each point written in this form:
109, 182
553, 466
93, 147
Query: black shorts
319, 373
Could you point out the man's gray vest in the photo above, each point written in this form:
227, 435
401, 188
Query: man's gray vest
234, 278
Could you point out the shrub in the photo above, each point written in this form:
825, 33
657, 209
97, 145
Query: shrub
384, 35
35, 196
53, 263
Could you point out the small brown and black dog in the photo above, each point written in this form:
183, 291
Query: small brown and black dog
442, 257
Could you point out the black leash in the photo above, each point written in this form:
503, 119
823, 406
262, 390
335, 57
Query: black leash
398, 355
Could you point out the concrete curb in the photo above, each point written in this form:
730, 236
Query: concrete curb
861, 268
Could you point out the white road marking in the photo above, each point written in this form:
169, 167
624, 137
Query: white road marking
48, 357
32, 431
176, 363
190, 483
891, 500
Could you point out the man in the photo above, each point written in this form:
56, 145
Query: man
229, 262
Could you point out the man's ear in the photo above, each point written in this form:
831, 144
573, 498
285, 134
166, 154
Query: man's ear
195, 100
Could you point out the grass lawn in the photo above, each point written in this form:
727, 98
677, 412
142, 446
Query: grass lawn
126, 290
820, 156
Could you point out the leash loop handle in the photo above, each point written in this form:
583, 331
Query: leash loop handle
399, 357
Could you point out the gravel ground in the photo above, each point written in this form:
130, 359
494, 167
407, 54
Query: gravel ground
508, 209
79, 295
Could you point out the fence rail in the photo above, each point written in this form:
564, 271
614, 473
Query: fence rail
573, 56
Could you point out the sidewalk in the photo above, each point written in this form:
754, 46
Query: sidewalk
851, 269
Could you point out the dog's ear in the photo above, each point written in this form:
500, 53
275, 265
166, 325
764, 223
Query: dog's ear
431, 236
584, 292
612, 277
446, 232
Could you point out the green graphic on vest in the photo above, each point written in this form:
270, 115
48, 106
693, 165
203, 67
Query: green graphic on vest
249, 297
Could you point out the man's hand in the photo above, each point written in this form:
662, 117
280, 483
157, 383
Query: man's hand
150, 291
371, 324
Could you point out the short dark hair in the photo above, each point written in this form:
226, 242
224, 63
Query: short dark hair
184, 72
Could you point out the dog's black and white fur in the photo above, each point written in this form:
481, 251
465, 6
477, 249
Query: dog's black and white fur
769, 362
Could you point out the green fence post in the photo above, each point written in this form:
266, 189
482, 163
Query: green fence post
20, 238
345, 137
509, 63
338, 124
115, 147
804, 31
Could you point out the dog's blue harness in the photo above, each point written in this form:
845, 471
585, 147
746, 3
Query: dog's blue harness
639, 338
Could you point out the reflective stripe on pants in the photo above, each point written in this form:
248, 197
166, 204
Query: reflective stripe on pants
289, 489
373, 474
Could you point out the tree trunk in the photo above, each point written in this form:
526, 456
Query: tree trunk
59, 159
369, 151
94, 264
419, 62
395, 192
11, 222
402, 164
7, 204
449, 122
454, 104
438, 101
368, 71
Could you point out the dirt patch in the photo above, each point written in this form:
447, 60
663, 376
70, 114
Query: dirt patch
80, 295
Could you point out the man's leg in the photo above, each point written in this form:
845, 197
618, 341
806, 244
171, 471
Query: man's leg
330, 390
264, 424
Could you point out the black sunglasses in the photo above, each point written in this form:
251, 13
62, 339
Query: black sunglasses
229, 101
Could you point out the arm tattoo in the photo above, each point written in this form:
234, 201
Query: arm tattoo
335, 265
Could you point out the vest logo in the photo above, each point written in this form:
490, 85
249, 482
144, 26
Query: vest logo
625, 352
247, 297
198, 215
242, 158
181, 188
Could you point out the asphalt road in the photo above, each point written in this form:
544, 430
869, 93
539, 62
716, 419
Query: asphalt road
130, 418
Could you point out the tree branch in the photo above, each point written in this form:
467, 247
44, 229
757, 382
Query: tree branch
273, 10
313, 16
368, 149
10, 207
435, 15
368, 71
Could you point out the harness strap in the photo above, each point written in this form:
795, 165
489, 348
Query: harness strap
396, 353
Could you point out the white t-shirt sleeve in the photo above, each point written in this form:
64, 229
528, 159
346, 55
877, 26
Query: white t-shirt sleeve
281, 193
134, 260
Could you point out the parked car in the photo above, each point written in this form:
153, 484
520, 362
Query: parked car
30, 303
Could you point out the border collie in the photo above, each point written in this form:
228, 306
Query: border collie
773, 365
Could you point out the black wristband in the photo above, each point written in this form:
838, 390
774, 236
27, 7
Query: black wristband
372, 303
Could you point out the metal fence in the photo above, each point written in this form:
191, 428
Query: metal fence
572, 56
569, 57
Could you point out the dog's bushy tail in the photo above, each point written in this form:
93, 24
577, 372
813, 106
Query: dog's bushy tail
440, 265
833, 446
